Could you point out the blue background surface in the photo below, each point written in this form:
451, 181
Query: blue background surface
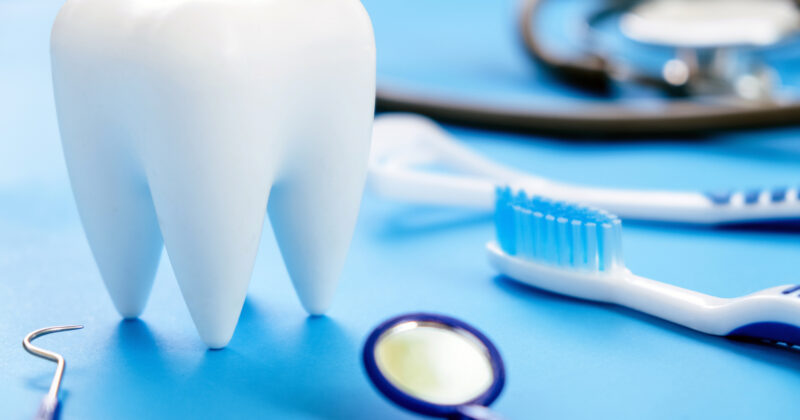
565, 358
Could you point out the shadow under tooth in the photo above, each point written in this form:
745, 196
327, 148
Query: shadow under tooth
591, 246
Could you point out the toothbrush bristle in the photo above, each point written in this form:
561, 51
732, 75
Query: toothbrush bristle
557, 233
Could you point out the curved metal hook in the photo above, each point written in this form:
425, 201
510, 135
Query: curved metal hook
50, 402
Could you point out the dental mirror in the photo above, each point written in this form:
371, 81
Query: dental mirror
435, 365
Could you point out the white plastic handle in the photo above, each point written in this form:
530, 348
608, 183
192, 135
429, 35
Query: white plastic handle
406, 146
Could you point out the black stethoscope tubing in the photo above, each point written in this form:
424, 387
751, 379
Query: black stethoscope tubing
672, 117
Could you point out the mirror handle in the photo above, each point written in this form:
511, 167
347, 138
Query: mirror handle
476, 412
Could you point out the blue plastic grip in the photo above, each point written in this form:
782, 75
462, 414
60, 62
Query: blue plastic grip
775, 332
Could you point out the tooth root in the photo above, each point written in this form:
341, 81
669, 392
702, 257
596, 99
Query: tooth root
211, 196
114, 205
313, 215
122, 231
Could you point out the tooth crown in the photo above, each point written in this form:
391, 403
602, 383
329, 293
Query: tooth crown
186, 121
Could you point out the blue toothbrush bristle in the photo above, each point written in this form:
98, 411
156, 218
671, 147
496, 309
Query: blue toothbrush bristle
557, 233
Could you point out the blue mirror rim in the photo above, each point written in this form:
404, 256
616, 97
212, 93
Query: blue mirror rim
417, 405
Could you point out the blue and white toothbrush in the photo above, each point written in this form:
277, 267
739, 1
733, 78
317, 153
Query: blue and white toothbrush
404, 145
577, 251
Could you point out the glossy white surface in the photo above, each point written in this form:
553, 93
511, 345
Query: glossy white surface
184, 119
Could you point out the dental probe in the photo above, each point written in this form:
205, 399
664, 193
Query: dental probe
49, 406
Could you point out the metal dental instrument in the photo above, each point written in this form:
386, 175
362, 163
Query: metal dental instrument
49, 405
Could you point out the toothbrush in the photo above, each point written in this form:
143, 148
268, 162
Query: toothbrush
405, 143
576, 250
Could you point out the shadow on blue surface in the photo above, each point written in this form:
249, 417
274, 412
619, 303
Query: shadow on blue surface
253, 372
779, 356
41, 383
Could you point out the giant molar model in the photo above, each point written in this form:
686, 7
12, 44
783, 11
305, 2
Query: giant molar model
185, 122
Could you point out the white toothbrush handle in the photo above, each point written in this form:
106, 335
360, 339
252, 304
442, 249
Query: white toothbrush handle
674, 206
477, 192
404, 143
676, 304
772, 314
433, 189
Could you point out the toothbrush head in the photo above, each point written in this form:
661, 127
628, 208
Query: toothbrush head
559, 234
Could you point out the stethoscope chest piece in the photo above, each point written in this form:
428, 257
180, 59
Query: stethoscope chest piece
435, 365
719, 43
711, 23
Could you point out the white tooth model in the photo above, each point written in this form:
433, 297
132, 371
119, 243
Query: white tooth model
183, 119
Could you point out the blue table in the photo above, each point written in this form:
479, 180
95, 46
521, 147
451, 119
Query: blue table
565, 358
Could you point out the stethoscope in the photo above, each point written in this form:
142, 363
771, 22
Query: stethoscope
435, 365
715, 79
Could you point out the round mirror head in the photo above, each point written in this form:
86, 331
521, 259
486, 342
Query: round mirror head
433, 364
